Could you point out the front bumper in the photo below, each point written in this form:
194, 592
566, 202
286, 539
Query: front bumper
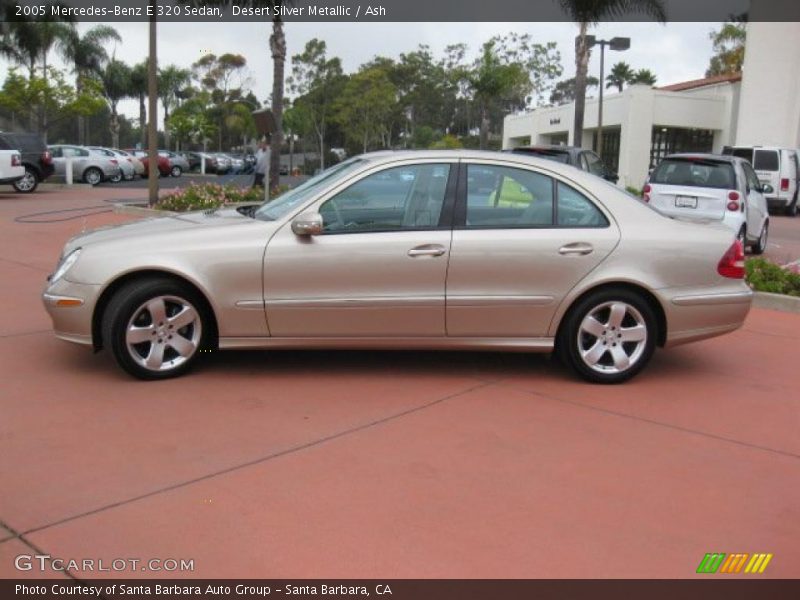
71, 306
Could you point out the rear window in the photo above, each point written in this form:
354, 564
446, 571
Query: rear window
745, 153
766, 160
695, 173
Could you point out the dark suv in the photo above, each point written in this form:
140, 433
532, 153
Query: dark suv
36, 158
585, 160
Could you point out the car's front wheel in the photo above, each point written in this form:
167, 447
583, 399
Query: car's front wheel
28, 183
609, 336
156, 328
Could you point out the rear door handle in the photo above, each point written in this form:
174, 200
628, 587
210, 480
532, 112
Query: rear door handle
427, 250
577, 248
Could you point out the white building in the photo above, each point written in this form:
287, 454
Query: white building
643, 124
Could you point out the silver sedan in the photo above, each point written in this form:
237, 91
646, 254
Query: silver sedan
428, 250
87, 165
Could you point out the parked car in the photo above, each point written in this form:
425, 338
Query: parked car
223, 164
194, 159
164, 166
87, 166
36, 159
11, 169
237, 163
585, 160
126, 169
779, 168
138, 167
547, 258
177, 163
709, 187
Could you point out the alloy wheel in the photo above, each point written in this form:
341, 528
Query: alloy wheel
612, 337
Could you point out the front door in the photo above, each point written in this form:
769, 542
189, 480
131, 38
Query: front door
378, 268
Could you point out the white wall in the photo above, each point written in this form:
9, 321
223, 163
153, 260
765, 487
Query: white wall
769, 108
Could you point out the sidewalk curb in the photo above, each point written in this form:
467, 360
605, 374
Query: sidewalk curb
789, 304
54, 185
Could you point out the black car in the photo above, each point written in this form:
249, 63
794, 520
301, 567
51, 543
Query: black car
585, 160
36, 159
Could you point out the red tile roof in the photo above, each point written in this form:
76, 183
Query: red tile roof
698, 83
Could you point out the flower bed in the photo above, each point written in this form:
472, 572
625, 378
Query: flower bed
764, 276
207, 196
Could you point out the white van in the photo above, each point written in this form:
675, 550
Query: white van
779, 167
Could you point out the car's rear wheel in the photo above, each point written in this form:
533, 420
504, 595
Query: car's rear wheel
742, 236
28, 183
176, 171
609, 336
116, 178
156, 328
791, 210
93, 176
761, 245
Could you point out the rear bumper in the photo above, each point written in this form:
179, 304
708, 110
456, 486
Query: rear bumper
694, 316
778, 203
5, 180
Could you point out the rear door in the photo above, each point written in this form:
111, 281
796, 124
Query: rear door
694, 188
522, 240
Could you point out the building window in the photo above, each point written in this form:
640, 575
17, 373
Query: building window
670, 140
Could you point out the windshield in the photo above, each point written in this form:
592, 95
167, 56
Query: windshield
270, 211
695, 173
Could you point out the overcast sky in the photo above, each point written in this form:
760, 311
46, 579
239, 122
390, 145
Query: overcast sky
674, 52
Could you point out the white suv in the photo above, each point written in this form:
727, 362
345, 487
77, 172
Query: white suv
709, 187
779, 168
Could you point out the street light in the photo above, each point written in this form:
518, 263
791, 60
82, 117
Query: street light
617, 43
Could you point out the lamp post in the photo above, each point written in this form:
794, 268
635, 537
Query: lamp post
617, 43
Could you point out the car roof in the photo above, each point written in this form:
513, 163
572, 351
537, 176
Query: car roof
706, 156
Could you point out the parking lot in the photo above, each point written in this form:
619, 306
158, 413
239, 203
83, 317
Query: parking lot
388, 464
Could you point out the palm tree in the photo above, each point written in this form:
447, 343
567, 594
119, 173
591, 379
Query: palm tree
587, 13
138, 89
171, 80
645, 76
621, 73
88, 56
116, 86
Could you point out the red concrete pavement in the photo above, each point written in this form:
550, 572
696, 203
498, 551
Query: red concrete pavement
396, 464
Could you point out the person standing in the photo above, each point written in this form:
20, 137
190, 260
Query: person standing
262, 165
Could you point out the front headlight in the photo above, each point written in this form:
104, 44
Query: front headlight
65, 265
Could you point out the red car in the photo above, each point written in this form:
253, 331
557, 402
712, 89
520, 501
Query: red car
164, 166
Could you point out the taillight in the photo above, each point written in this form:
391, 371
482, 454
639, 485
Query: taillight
733, 196
731, 264
47, 158
16, 161
733, 206
785, 184
646, 192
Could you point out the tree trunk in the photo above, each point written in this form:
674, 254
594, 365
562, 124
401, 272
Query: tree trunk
484, 131
277, 45
142, 121
582, 53
114, 128
166, 127
321, 139
81, 118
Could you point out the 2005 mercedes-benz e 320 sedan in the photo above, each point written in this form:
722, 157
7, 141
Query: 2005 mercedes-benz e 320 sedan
449, 250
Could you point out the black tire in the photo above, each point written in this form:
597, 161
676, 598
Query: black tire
791, 210
761, 245
127, 310
573, 343
92, 176
116, 178
176, 171
742, 236
28, 183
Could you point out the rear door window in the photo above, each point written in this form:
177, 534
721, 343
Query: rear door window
766, 160
695, 173
745, 153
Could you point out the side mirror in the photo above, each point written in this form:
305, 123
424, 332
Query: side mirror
307, 224
767, 189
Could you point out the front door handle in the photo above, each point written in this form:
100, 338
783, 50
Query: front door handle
427, 250
577, 248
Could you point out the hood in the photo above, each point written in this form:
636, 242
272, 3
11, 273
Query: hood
211, 219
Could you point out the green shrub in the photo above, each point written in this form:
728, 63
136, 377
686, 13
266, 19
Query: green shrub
632, 190
764, 276
208, 196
